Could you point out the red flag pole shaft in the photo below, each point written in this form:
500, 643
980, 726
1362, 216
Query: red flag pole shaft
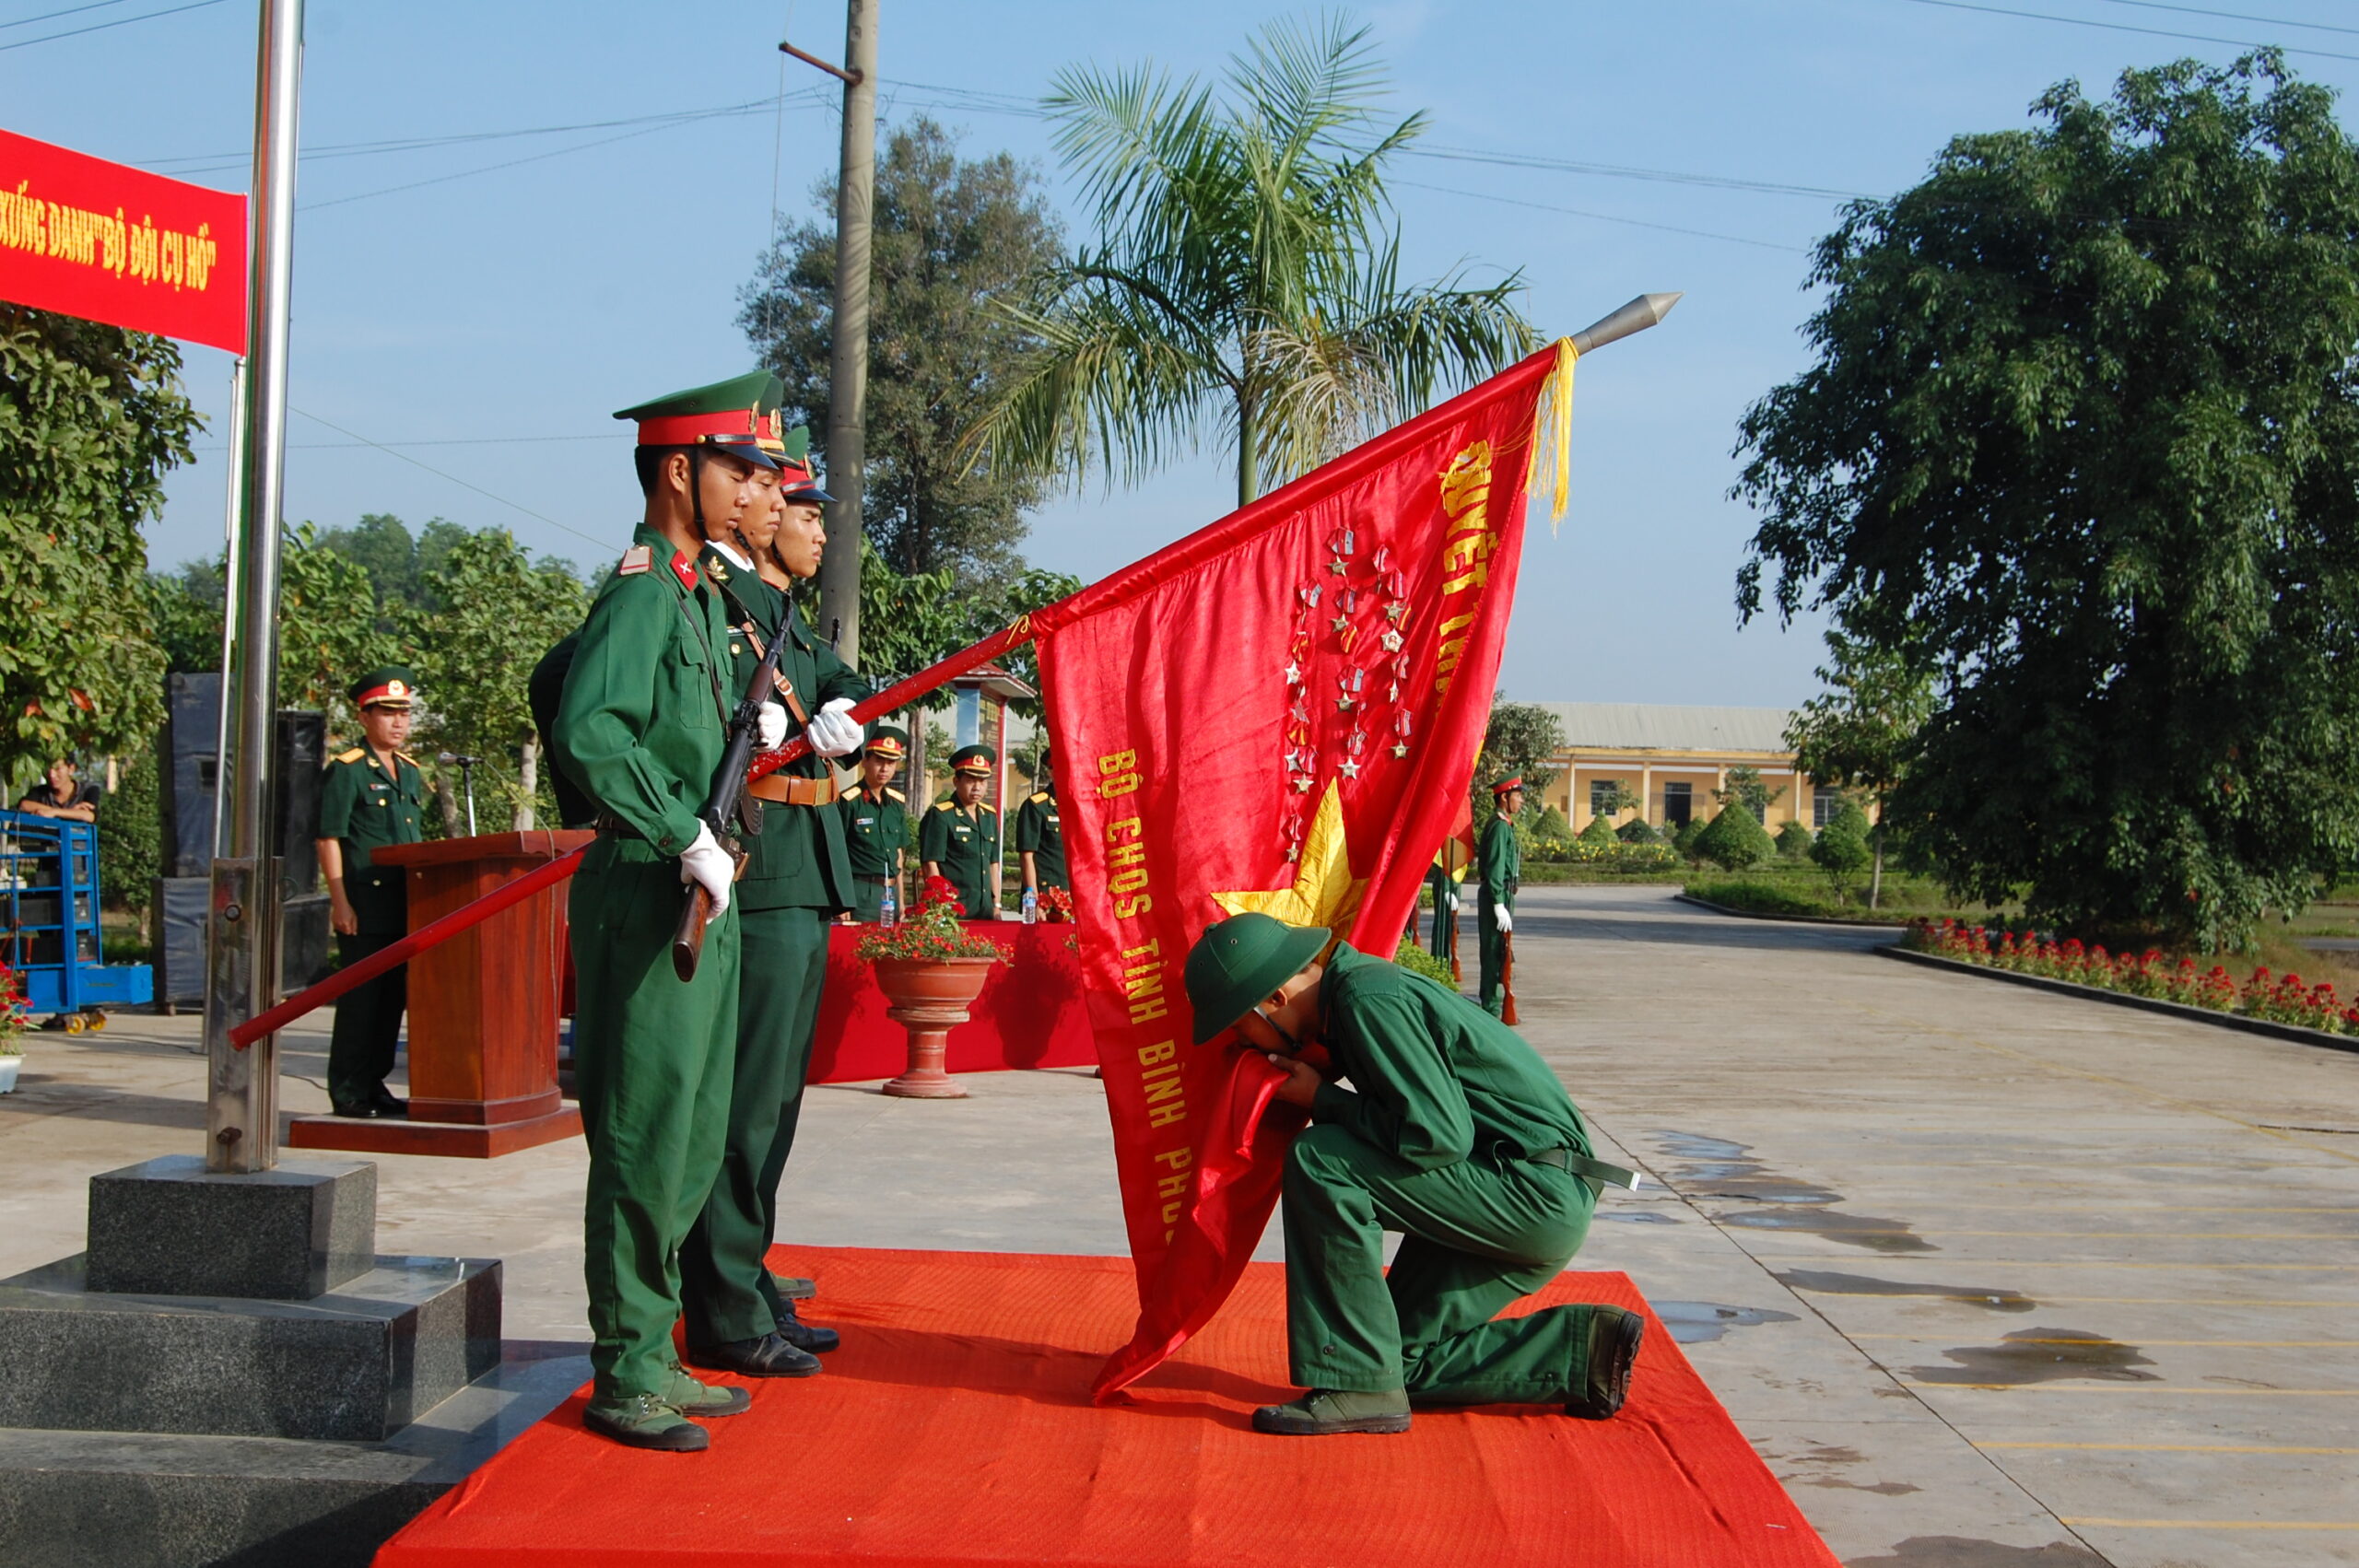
402, 952
898, 695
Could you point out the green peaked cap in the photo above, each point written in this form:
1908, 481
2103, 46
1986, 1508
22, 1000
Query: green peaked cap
1242, 959
756, 389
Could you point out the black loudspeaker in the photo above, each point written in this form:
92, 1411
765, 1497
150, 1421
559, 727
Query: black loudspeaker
193, 783
302, 737
180, 940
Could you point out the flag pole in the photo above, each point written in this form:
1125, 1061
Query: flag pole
242, 969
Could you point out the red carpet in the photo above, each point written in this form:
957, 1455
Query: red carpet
955, 1428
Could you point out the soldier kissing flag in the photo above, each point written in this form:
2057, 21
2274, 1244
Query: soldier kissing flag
1280, 713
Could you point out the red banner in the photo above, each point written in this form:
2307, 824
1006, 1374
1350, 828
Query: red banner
1279, 712
109, 243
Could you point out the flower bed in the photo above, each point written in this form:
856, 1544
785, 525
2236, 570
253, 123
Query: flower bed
2276, 999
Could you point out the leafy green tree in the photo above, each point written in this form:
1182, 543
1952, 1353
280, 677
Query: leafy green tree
91, 417
328, 630
950, 236
185, 608
131, 835
498, 613
1735, 839
1616, 798
1743, 783
1841, 850
1519, 737
1860, 732
1243, 277
2083, 437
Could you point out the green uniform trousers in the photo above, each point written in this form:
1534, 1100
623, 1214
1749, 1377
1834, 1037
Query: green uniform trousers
724, 1274
1476, 1236
867, 900
1494, 946
368, 1024
651, 1065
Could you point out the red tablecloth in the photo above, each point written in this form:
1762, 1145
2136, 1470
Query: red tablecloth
1030, 1013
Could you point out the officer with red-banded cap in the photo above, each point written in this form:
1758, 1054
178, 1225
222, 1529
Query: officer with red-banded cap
1498, 859
959, 841
640, 727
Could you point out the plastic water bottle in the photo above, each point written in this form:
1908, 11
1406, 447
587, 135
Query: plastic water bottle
888, 913
1032, 906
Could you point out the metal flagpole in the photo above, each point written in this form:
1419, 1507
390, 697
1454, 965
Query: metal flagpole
241, 978
231, 568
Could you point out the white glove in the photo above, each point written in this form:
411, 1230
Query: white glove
1452, 897
832, 730
770, 727
1503, 918
707, 865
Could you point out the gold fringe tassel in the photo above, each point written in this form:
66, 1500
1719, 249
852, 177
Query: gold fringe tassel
1552, 431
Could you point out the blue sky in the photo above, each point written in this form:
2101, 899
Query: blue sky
502, 313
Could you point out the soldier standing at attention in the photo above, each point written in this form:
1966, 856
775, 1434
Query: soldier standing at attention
797, 876
639, 728
372, 796
1454, 1133
877, 825
1039, 836
959, 839
1498, 859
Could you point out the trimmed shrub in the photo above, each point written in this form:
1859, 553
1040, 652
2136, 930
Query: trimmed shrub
1418, 961
1598, 831
1683, 841
1551, 824
1735, 839
1636, 831
1793, 842
1841, 852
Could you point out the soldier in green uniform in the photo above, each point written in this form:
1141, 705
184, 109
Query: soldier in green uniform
639, 728
1498, 860
797, 876
1040, 837
959, 838
372, 795
877, 825
1454, 1133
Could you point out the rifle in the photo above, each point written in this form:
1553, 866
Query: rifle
1507, 978
720, 806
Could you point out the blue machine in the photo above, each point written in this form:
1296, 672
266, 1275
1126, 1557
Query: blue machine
49, 894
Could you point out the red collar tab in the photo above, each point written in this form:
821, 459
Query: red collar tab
684, 569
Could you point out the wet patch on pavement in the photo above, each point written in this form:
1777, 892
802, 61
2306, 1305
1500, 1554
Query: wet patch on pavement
1701, 1322
1966, 1551
2042, 1355
1871, 1231
1994, 1298
1635, 1217
1718, 1168
1714, 1168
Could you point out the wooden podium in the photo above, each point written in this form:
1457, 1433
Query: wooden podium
482, 1010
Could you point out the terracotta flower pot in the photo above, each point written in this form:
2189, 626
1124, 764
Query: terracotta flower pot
928, 998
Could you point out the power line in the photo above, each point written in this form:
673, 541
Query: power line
2232, 16
52, 16
450, 441
101, 26
453, 478
2125, 27
1603, 217
1627, 171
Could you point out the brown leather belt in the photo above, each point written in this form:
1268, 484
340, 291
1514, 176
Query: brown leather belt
785, 790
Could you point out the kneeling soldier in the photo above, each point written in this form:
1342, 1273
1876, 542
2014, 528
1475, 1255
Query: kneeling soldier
876, 826
1454, 1133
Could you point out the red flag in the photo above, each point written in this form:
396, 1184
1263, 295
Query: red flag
1279, 712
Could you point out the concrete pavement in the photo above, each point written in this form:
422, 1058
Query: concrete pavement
1993, 1279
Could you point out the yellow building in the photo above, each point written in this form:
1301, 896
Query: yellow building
1673, 759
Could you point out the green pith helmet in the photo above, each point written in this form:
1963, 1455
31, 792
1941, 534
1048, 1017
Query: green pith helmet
1242, 959
738, 417
392, 685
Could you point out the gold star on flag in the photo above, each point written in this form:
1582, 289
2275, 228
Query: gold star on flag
1324, 891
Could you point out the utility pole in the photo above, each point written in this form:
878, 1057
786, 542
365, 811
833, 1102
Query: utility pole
848, 351
242, 971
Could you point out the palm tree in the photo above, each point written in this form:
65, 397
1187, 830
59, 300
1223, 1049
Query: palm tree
1244, 277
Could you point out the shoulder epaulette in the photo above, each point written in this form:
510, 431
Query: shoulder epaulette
636, 559
405, 756
1040, 795
946, 805
893, 794
355, 754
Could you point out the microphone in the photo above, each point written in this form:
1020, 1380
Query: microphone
454, 756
